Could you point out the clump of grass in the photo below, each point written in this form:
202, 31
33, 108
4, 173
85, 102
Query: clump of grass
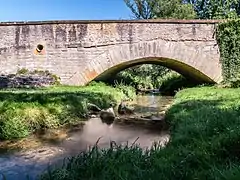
128, 90
22, 71
24, 111
205, 144
95, 165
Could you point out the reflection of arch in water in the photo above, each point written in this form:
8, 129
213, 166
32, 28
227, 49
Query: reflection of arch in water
178, 66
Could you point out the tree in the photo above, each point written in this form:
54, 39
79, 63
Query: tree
216, 9
152, 9
175, 9
184, 9
142, 9
147, 75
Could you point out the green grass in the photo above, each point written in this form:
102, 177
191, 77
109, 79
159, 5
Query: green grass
205, 144
24, 111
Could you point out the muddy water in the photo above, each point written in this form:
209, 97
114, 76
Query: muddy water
33, 161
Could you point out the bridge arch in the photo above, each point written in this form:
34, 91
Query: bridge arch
188, 58
183, 69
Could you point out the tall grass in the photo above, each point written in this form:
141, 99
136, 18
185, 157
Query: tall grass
24, 111
205, 144
117, 162
129, 91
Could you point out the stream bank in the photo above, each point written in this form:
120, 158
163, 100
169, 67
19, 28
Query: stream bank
204, 144
24, 111
47, 149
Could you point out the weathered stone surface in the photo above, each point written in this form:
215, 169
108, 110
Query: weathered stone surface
26, 80
79, 51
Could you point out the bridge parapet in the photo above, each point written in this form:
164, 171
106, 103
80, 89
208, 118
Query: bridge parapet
79, 51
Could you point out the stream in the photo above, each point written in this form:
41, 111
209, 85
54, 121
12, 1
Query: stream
33, 160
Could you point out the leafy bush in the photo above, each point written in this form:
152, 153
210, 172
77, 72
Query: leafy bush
173, 82
129, 91
153, 77
144, 76
228, 36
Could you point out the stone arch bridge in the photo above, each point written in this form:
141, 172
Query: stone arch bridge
80, 51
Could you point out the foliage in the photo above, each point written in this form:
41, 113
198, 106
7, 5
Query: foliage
22, 71
142, 9
204, 145
151, 76
184, 9
129, 91
154, 77
145, 76
24, 111
228, 36
152, 9
173, 82
216, 9
232, 83
181, 11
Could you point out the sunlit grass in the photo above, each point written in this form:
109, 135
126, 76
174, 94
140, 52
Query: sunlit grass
204, 144
24, 111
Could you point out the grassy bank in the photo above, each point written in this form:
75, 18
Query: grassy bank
24, 111
205, 133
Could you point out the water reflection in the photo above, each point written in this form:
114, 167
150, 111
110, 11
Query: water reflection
120, 133
151, 104
34, 161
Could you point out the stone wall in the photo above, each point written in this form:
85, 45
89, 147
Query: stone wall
79, 51
28, 80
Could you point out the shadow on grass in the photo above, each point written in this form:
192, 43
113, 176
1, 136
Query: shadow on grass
48, 97
173, 84
204, 144
205, 134
23, 112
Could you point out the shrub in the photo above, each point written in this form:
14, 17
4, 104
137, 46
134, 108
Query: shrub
228, 36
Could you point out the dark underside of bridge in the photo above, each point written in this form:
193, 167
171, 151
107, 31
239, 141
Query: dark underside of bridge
187, 71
